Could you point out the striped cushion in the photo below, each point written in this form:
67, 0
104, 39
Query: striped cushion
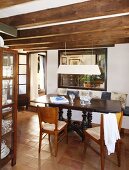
119, 96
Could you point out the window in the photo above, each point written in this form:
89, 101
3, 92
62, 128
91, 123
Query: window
22, 73
23, 80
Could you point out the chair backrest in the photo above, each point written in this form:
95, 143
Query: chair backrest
119, 117
76, 93
106, 96
48, 115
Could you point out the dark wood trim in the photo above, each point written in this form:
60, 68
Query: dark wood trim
28, 77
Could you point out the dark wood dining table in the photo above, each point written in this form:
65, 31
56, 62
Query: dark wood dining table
97, 105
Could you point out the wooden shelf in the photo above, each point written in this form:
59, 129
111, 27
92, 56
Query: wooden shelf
7, 78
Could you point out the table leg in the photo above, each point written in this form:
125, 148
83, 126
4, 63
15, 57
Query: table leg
69, 115
61, 114
84, 124
89, 119
75, 126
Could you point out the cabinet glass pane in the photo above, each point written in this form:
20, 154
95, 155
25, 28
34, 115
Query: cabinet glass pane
22, 59
22, 69
7, 96
7, 113
7, 66
22, 79
6, 143
22, 89
6, 110
7, 120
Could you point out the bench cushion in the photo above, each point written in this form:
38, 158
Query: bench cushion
119, 96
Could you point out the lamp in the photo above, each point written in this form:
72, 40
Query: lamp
6, 29
1, 42
79, 69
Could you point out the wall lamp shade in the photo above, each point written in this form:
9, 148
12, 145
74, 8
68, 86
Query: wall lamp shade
6, 29
1, 42
79, 69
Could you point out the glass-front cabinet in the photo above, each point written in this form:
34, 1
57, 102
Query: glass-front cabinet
8, 106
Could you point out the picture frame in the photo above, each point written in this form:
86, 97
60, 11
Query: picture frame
74, 61
64, 60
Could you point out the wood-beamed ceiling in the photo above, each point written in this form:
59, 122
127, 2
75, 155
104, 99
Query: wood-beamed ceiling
80, 34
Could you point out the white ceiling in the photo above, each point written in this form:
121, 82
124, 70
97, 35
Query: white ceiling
35, 5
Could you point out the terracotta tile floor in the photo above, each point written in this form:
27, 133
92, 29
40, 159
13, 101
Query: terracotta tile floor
70, 156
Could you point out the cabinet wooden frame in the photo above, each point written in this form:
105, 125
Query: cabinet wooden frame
10, 104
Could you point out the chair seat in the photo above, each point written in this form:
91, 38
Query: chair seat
51, 127
95, 132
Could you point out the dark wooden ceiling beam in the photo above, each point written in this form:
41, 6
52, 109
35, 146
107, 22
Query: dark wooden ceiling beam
89, 43
71, 44
4, 4
74, 28
89, 37
72, 47
82, 10
76, 44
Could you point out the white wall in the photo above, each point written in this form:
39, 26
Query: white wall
117, 75
52, 65
118, 69
33, 76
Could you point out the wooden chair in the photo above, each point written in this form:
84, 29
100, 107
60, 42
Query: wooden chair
49, 124
97, 135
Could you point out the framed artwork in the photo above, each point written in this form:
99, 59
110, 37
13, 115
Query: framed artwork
63, 60
74, 61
